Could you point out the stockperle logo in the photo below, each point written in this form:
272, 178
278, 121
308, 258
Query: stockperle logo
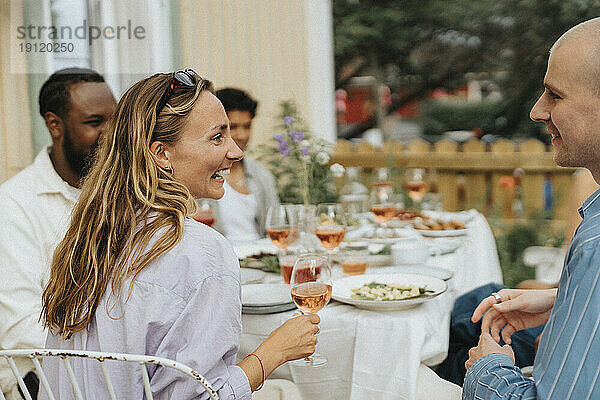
84, 31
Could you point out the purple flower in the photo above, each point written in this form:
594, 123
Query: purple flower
283, 148
296, 136
288, 121
304, 150
279, 137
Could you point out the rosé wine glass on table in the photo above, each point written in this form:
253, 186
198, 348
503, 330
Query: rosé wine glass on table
383, 212
286, 264
331, 227
281, 227
205, 214
415, 184
311, 291
354, 258
382, 205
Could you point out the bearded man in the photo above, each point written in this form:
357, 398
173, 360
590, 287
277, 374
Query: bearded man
36, 208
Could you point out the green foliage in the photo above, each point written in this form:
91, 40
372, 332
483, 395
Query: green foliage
289, 170
439, 116
513, 240
416, 47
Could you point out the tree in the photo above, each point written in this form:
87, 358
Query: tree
416, 47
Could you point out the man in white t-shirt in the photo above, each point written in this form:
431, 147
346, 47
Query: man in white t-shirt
36, 208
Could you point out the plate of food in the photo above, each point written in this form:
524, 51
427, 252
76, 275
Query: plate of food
408, 215
439, 228
429, 270
389, 235
462, 216
387, 292
443, 232
263, 261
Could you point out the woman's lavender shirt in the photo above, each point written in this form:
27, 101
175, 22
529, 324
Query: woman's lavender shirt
184, 306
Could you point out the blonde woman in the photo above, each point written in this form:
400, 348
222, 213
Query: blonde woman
134, 274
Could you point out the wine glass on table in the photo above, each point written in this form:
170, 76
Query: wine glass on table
331, 227
281, 227
382, 203
311, 291
415, 184
383, 212
205, 213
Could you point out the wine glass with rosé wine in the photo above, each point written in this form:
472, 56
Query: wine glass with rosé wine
415, 184
311, 291
382, 204
383, 212
281, 227
331, 227
205, 214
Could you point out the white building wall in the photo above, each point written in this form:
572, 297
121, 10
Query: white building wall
276, 50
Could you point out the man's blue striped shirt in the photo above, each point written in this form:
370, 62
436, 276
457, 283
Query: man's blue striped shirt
567, 363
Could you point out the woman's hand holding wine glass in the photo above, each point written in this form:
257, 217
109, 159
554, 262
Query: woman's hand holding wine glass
293, 340
311, 291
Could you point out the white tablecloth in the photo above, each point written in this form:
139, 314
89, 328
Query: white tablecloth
376, 355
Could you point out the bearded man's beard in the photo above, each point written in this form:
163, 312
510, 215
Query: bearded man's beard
79, 160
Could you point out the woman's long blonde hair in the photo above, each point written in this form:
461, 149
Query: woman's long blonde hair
126, 199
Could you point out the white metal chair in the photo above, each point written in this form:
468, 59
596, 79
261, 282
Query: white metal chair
142, 360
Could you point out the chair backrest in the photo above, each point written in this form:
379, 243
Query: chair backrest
36, 354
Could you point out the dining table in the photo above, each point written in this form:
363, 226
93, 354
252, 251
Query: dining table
376, 354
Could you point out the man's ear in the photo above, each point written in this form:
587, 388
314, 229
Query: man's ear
161, 155
55, 125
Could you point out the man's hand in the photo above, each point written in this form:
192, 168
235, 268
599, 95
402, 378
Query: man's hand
519, 309
486, 346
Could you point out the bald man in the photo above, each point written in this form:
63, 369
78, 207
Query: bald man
568, 358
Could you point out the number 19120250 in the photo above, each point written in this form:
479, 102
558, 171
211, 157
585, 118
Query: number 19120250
48, 47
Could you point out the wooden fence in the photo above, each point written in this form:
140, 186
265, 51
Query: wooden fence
474, 174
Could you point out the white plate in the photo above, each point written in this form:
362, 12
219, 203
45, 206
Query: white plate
377, 260
268, 309
429, 270
400, 234
377, 234
462, 216
266, 294
385, 241
443, 233
444, 245
249, 275
342, 290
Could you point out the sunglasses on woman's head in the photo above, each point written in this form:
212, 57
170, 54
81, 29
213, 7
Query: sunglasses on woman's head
183, 77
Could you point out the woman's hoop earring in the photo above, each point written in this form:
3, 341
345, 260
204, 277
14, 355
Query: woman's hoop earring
169, 170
